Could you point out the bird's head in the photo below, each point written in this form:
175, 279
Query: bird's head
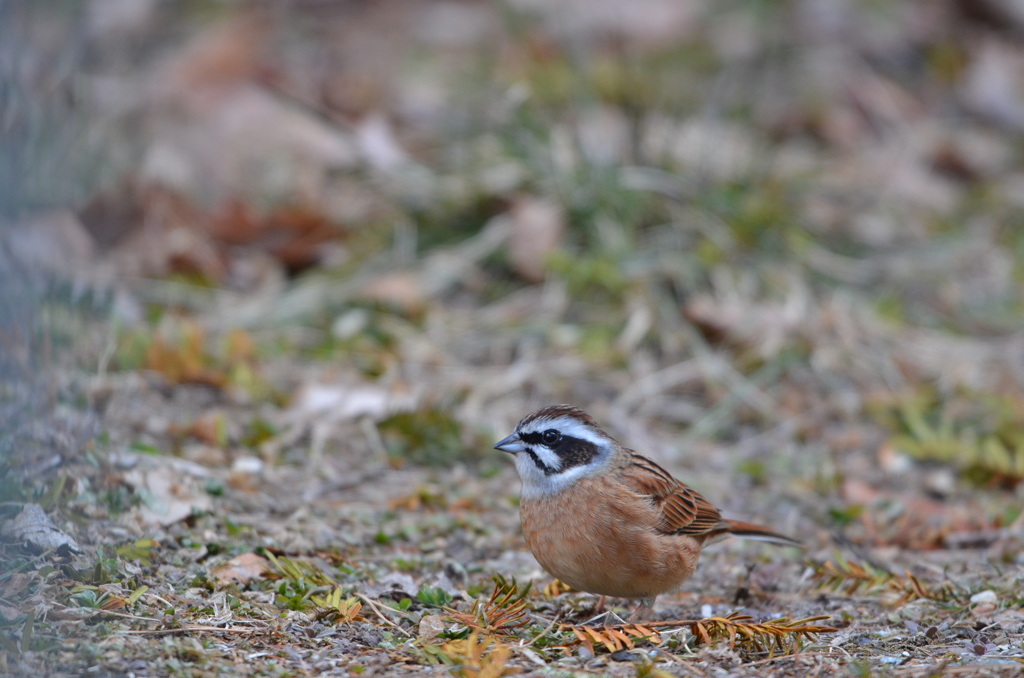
555, 446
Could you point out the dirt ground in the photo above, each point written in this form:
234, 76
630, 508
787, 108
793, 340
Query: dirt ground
274, 277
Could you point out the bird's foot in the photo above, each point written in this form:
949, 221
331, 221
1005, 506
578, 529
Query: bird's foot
643, 610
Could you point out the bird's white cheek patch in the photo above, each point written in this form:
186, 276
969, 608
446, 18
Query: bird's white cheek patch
536, 484
529, 473
546, 456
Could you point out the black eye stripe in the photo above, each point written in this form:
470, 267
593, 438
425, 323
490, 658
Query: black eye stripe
532, 438
571, 451
575, 452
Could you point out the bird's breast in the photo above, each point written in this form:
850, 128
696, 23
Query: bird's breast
600, 537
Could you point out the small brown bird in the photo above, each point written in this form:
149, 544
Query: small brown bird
605, 519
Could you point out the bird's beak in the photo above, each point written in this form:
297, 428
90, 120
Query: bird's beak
512, 444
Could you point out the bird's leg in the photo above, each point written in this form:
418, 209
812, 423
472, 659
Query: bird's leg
646, 605
601, 617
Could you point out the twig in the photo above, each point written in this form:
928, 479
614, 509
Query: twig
741, 388
337, 485
129, 616
979, 538
784, 656
654, 384
108, 353
718, 366
860, 552
372, 434
382, 617
541, 634
185, 629
150, 593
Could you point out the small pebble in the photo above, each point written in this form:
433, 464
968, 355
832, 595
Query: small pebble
987, 597
250, 465
350, 323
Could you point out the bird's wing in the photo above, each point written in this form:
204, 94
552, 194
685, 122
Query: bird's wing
683, 510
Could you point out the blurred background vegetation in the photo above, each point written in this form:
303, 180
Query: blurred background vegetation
776, 244
716, 224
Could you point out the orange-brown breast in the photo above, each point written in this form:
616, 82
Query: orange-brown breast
599, 536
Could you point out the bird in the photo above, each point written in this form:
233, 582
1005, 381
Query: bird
605, 519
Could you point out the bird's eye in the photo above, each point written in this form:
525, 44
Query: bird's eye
551, 436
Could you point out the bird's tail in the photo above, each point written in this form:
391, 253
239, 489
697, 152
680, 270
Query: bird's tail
738, 528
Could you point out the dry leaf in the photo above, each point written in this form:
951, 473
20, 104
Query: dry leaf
295, 236
858, 492
431, 627
537, 227
35, 528
340, 402
119, 19
402, 290
992, 86
604, 136
168, 495
219, 56
641, 24
240, 569
54, 242
377, 142
16, 583
395, 585
9, 614
711, 148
